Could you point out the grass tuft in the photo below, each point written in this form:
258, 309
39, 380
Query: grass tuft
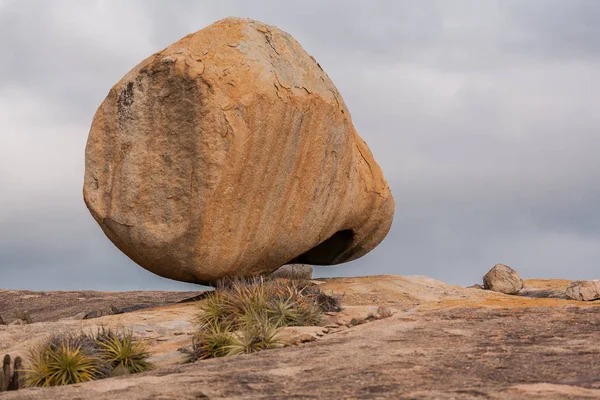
210, 342
214, 310
68, 359
61, 364
283, 312
256, 334
120, 350
243, 316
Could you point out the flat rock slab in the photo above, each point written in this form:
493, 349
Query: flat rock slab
494, 353
54, 305
443, 341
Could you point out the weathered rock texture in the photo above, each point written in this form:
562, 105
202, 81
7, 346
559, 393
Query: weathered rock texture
231, 153
293, 271
502, 278
442, 342
584, 290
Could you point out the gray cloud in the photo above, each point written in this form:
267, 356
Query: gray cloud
481, 114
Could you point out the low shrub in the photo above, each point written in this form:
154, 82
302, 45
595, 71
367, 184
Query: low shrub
68, 359
122, 350
286, 303
257, 333
61, 363
246, 315
215, 309
211, 341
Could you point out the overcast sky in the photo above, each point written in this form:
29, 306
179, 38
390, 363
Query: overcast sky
482, 114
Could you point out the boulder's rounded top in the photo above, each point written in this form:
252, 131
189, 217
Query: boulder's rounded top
251, 57
502, 278
584, 290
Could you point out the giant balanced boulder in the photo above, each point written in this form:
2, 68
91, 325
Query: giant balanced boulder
229, 154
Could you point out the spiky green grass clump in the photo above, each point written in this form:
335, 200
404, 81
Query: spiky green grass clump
285, 303
63, 363
245, 316
212, 341
215, 310
68, 359
121, 350
256, 333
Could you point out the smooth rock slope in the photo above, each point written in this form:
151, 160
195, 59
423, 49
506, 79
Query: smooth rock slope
231, 153
441, 342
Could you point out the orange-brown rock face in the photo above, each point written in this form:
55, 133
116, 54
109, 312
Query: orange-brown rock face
231, 153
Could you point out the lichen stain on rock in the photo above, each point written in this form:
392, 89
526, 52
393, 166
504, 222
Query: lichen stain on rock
124, 102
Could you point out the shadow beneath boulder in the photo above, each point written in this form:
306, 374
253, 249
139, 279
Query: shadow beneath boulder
542, 293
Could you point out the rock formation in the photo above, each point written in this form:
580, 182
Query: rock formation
502, 278
584, 290
231, 153
488, 340
293, 271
